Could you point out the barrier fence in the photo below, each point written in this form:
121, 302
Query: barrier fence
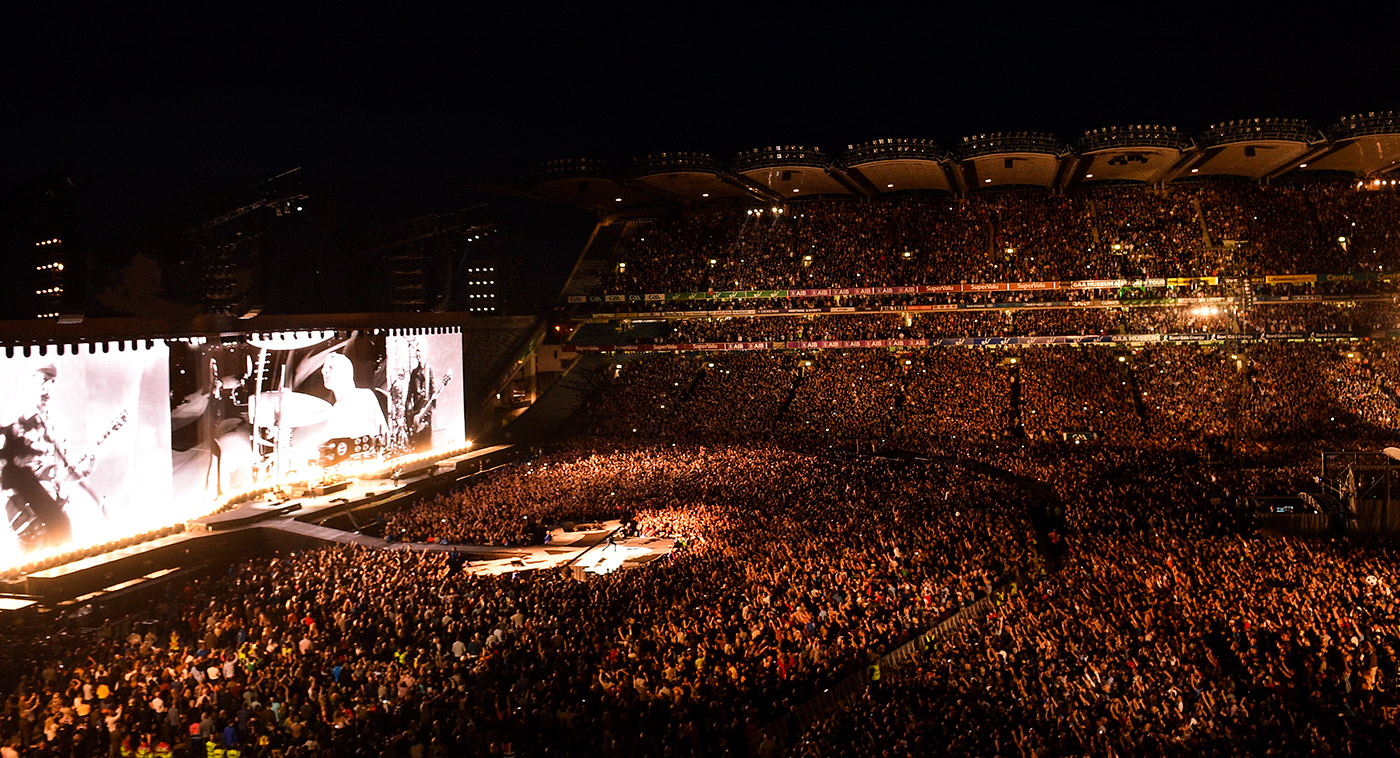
1014, 305
933, 289
1081, 339
801, 717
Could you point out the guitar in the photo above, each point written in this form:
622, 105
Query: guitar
77, 473
415, 423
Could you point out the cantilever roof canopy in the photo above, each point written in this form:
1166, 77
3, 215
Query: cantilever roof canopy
1262, 149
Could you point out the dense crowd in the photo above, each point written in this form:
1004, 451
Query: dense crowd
514, 506
1169, 628
1085, 393
1189, 230
1259, 396
829, 506
1156, 645
787, 583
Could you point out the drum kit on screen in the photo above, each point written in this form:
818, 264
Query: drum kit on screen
290, 428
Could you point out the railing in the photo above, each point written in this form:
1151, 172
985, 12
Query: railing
564, 168
1138, 135
892, 149
853, 686
663, 162
1363, 124
781, 156
1248, 130
994, 143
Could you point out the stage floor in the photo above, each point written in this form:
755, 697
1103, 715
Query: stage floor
589, 550
299, 523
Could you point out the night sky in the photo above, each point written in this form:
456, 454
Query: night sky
233, 88
154, 104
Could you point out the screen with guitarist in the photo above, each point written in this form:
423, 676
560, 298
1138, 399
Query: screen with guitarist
426, 389
84, 449
104, 442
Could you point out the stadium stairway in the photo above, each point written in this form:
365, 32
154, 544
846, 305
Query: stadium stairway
689, 392
491, 344
1017, 428
587, 276
550, 414
1094, 236
686, 395
1130, 367
894, 419
611, 333
787, 402
1201, 216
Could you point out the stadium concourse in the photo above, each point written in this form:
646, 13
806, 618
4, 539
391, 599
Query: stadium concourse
1019, 523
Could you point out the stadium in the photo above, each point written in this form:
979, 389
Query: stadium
1021, 448
593, 381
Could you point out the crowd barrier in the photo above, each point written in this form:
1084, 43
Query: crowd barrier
1065, 339
801, 717
933, 289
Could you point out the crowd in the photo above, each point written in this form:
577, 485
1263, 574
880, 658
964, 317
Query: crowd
1122, 232
787, 583
1364, 317
862, 326
954, 397
516, 505
1155, 645
829, 506
1078, 394
1245, 397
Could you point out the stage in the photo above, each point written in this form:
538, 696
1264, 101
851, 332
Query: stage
266, 526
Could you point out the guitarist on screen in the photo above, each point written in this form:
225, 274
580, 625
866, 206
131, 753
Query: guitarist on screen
420, 398
33, 468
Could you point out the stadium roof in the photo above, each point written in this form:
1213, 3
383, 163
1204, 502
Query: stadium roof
1364, 146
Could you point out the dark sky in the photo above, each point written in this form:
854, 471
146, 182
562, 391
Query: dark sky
250, 88
161, 108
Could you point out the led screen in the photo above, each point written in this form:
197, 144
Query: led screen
288, 407
86, 449
101, 444
254, 412
425, 375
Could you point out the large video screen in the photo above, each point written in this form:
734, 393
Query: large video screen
248, 413
294, 406
86, 448
110, 441
425, 374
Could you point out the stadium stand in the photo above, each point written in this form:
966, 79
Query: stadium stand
997, 547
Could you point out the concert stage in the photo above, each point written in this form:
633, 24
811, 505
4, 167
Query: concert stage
264, 527
251, 529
